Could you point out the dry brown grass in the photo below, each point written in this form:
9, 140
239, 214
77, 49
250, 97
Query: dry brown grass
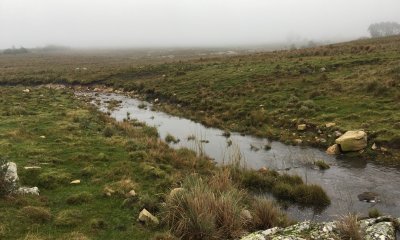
349, 229
206, 209
266, 214
36, 214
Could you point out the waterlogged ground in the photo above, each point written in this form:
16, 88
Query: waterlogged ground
343, 181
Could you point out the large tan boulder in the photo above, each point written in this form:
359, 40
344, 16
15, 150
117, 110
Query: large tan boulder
352, 141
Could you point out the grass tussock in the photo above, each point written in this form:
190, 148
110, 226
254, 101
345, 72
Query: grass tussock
349, 229
266, 214
36, 214
321, 164
79, 198
283, 186
68, 218
171, 139
211, 208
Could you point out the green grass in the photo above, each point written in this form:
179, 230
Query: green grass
265, 94
75, 147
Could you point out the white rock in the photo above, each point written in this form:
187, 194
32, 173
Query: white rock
28, 190
352, 141
131, 193
11, 174
147, 218
76, 181
331, 124
32, 167
301, 127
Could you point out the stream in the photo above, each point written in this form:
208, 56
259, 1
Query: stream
343, 182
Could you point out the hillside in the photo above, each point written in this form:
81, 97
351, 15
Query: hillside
356, 85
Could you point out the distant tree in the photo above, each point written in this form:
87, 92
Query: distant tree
14, 50
384, 29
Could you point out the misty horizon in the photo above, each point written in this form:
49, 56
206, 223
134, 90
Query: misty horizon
187, 23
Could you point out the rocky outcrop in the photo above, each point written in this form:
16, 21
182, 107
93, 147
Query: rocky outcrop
372, 229
352, 141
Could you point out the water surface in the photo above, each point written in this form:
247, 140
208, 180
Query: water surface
342, 182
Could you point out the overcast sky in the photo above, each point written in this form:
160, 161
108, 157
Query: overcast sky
124, 23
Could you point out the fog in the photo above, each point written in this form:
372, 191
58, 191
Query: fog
173, 23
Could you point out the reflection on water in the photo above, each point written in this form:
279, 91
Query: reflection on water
343, 181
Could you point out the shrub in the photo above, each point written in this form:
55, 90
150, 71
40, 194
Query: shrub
348, 228
36, 214
79, 198
68, 218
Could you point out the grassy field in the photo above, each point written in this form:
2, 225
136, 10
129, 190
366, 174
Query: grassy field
355, 85
67, 139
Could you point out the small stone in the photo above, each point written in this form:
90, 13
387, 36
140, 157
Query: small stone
333, 150
26, 90
131, 193
331, 124
32, 167
298, 141
383, 149
42, 136
76, 181
374, 147
301, 127
338, 134
147, 218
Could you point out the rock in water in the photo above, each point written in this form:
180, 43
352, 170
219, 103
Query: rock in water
333, 150
352, 141
368, 197
147, 218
